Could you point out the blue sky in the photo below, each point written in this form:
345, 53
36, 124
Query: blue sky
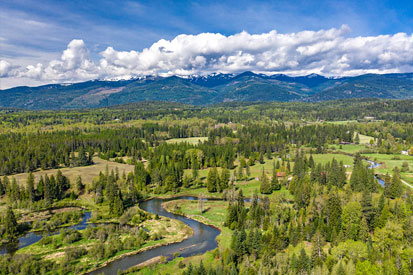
36, 32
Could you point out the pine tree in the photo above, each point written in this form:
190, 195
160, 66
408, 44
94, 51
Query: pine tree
40, 188
384, 216
333, 213
395, 189
340, 269
311, 163
265, 187
382, 201
369, 212
225, 175
318, 255
82, 159
30, 192
117, 206
261, 159
240, 173
275, 184
304, 262
2, 189
194, 167
48, 196
294, 262
364, 231
247, 171
10, 224
79, 184
212, 180
277, 165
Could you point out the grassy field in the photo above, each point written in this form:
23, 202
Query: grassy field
190, 140
324, 158
389, 161
248, 186
350, 148
88, 173
341, 122
365, 139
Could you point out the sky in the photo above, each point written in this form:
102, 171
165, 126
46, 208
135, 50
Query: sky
70, 41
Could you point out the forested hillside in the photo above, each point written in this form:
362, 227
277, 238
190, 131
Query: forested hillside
204, 90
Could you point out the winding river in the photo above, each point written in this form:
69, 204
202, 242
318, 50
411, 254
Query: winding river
203, 239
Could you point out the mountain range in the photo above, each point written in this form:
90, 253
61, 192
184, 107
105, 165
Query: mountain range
203, 90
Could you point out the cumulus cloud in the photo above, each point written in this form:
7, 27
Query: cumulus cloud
327, 52
5, 68
74, 65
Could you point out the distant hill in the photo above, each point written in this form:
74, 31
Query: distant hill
202, 90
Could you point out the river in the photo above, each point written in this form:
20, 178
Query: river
374, 165
33, 237
203, 239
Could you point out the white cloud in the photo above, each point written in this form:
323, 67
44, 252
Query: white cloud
74, 65
328, 52
5, 68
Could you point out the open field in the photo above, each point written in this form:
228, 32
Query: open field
390, 161
365, 139
350, 148
324, 158
342, 122
190, 140
88, 173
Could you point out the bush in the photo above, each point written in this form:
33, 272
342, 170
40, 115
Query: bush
73, 253
97, 251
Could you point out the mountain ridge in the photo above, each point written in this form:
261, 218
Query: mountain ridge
209, 89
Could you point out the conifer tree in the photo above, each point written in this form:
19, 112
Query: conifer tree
40, 188
318, 255
395, 190
340, 269
225, 175
79, 184
194, 167
265, 187
48, 190
369, 211
212, 180
240, 173
2, 189
333, 213
364, 230
247, 171
30, 192
303, 263
275, 184
10, 224
261, 159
